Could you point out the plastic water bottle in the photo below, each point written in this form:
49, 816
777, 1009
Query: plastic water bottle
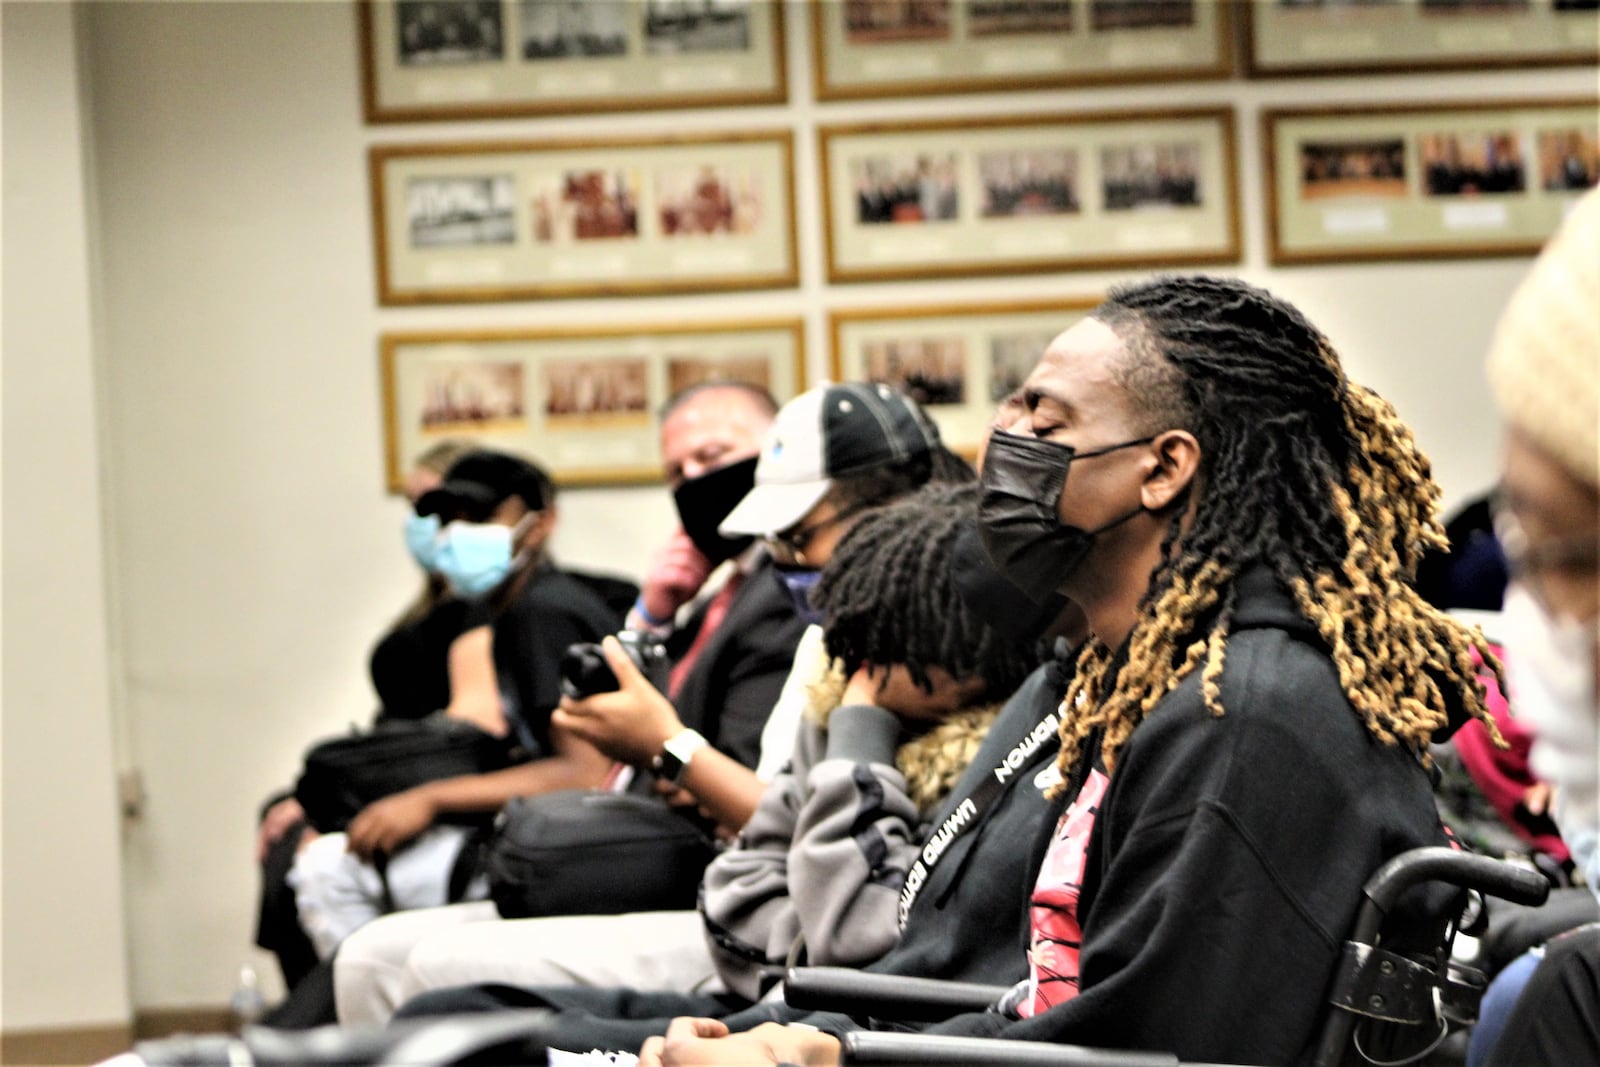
247, 1005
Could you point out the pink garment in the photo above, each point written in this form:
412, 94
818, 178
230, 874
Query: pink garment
1057, 940
1502, 775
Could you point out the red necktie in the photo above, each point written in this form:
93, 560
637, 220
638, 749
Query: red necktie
716, 611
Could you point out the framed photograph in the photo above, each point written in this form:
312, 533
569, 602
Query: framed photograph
470, 59
1035, 193
1420, 182
515, 221
959, 361
1312, 37
869, 48
581, 401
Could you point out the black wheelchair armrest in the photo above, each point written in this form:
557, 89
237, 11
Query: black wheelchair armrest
870, 1049
862, 994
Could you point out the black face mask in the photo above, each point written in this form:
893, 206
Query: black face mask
1018, 510
705, 501
992, 597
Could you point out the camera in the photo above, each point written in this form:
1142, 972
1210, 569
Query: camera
584, 671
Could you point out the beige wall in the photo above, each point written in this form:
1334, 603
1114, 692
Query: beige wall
256, 553
61, 911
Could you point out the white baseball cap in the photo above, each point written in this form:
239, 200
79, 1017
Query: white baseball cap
819, 435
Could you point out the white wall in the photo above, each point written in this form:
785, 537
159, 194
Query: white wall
61, 917
257, 553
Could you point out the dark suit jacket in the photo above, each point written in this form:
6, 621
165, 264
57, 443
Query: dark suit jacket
729, 692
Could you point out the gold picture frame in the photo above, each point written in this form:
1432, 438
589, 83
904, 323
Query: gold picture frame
525, 220
581, 400
484, 59
1423, 181
1310, 38
958, 360
1091, 191
865, 48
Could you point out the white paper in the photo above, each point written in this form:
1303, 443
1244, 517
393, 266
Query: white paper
1340, 221
1468, 38
912, 63
1338, 44
573, 82
1033, 241
599, 266
1170, 235
900, 249
446, 271
1476, 215
1020, 60
440, 90
698, 77
1144, 53
712, 257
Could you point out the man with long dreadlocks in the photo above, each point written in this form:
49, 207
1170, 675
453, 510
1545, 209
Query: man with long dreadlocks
1244, 739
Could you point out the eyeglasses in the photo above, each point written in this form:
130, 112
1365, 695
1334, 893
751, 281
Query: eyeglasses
794, 541
1532, 562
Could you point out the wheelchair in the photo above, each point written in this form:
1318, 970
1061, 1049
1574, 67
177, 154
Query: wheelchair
1374, 990
1378, 997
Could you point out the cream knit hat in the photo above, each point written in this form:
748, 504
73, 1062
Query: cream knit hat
1544, 364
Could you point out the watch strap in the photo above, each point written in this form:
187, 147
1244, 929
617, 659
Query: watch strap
672, 762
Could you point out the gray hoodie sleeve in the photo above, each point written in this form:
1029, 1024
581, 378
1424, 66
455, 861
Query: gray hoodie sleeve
823, 856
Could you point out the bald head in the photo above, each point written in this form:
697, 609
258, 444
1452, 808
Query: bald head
710, 426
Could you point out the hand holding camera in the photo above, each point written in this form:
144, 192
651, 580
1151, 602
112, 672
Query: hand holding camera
629, 721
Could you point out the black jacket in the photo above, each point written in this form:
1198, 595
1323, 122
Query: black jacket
734, 683
1225, 866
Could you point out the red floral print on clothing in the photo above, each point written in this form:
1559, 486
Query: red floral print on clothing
1053, 915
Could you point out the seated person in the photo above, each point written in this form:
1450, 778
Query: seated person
889, 729
409, 667
832, 452
881, 447
820, 865
496, 512
1544, 1008
1244, 740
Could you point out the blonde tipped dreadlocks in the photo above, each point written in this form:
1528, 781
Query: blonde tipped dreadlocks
1301, 471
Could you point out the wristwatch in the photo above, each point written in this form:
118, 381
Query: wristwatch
671, 763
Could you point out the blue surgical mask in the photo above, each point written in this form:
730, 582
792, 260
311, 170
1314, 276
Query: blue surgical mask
798, 583
476, 557
422, 538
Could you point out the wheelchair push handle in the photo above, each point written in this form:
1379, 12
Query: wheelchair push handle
1487, 875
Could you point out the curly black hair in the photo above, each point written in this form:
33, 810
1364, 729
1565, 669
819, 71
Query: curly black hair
888, 598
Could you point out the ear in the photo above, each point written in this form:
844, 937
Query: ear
539, 529
1175, 465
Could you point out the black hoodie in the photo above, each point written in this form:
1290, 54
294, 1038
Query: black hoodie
1225, 865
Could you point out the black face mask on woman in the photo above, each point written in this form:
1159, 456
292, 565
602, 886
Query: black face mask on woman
1018, 510
705, 501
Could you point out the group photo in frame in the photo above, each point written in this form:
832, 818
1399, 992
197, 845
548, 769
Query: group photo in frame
426, 60
960, 361
581, 401
1424, 181
874, 48
1041, 192
1323, 37
523, 220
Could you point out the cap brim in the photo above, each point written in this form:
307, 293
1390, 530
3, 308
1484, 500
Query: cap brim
458, 498
773, 508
